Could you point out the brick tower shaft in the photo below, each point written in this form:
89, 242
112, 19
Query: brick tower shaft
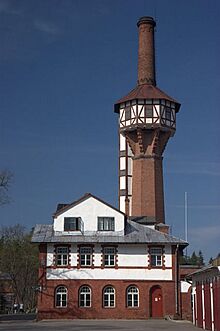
147, 119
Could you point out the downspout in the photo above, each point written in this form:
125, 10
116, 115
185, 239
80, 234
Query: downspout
177, 281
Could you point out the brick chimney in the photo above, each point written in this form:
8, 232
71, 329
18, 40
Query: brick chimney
146, 53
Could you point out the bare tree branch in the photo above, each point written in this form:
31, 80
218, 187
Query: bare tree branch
6, 178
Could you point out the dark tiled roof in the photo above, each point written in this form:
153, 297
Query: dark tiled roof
134, 233
146, 91
204, 270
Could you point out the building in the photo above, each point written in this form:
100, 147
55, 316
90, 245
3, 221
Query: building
97, 261
206, 296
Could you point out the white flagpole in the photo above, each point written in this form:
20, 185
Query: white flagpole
186, 218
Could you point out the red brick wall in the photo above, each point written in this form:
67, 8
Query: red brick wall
216, 303
185, 304
46, 309
185, 298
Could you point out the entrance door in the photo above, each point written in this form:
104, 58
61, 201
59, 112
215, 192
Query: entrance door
156, 302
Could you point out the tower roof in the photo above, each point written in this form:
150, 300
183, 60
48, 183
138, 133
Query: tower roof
146, 91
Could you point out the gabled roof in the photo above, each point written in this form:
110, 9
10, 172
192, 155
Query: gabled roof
134, 234
204, 271
145, 91
61, 208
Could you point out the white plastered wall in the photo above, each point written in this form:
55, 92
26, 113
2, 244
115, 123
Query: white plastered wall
127, 167
89, 210
132, 255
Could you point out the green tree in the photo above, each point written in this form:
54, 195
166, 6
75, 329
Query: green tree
19, 259
210, 260
194, 259
200, 259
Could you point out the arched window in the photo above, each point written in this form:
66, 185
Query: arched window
132, 296
85, 296
61, 296
109, 297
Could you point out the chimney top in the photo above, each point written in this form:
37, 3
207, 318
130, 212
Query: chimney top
146, 51
146, 19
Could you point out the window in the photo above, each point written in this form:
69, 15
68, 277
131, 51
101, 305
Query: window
156, 256
62, 256
148, 111
132, 296
72, 223
168, 114
61, 296
85, 296
106, 224
127, 113
109, 256
109, 297
85, 256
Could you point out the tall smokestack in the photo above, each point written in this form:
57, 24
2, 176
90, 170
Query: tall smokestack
147, 119
146, 51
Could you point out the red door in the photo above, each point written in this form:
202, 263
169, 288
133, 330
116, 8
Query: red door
156, 302
199, 305
207, 304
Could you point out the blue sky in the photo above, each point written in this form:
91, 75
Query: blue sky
63, 64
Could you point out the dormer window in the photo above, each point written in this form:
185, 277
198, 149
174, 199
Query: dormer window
106, 224
72, 223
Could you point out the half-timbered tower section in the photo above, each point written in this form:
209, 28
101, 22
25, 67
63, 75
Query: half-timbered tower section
147, 119
95, 263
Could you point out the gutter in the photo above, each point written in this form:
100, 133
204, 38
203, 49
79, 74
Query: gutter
177, 281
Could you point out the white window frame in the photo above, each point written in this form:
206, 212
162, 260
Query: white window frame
85, 256
106, 223
85, 296
109, 297
61, 294
156, 254
132, 297
62, 256
109, 256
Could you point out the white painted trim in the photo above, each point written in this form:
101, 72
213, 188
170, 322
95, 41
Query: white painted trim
203, 307
194, 307
212, 306
196, 312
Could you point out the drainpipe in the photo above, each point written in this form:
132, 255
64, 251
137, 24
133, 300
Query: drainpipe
177, 281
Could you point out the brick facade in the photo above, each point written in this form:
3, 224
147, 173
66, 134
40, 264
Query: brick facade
47, 309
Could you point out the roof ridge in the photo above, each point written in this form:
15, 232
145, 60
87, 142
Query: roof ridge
81, 199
